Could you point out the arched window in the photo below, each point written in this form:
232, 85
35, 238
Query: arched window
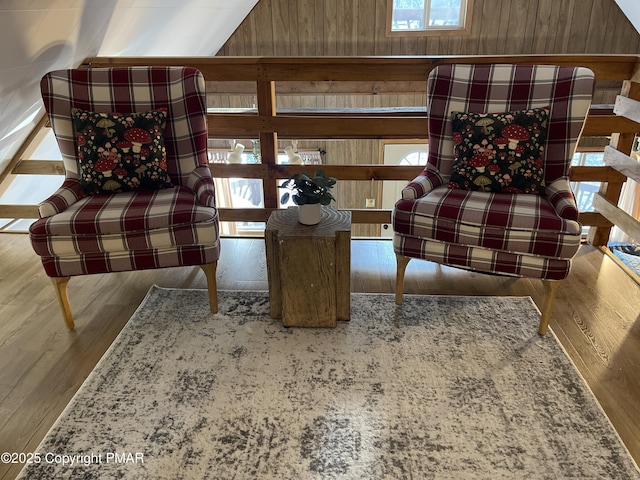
415, 157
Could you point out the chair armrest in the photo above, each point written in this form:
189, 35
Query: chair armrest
562, 198
68, 194
422, 184
201, 183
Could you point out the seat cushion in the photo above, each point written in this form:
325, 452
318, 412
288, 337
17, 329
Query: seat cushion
104, 262
127, 222
482, 259
525, 224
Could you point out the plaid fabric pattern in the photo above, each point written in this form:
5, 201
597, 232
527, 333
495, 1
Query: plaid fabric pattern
79, 234
482, 259
562, 198
500, 88
127, 261
181, 90
124, 222
423, 184
69, 193
516, 223
201, 183
521, 235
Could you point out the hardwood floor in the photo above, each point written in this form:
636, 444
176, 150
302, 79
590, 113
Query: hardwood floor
596, 318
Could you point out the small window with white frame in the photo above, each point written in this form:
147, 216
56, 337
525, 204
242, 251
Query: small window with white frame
428, 17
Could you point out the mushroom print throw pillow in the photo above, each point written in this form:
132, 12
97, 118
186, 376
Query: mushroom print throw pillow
121, 152
500, 152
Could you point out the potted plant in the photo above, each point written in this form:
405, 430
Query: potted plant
309, 193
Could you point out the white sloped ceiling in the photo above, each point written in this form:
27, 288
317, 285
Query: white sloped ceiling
37, 36
631, 9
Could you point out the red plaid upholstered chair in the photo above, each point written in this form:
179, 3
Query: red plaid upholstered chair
138, 193
493, 198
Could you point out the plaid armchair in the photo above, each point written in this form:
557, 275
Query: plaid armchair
82, 232
501, 231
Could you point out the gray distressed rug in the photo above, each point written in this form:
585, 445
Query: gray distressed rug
440, 387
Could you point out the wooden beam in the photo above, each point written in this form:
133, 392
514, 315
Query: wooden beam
622, 163
341, 172
266, 97
623, 142
244, 214
390, 68
355, 172
595, 174
310, 127
362, 125
367, 215
322, 88
620, 218
628, 108
17, 158
19, 211
603, 125
370, 215
594, 219
40, 167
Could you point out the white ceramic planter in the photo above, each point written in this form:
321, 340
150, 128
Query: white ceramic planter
309, 214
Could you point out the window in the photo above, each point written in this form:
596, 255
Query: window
428, 17
585, 191
416, 157
248, 192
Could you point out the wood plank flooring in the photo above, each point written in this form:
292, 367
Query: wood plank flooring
42, 364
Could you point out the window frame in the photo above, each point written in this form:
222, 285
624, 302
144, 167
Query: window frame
431, 31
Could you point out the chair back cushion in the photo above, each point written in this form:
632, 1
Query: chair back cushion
497, 88
179, 90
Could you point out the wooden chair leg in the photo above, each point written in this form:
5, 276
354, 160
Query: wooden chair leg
209, 270
60, 284
550, 290
401, 266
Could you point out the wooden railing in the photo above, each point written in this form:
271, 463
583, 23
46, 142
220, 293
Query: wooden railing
625, 165
267, 79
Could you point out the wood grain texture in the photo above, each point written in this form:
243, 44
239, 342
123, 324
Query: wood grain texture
617, 216
307, 281
622, 163
339, 27
310, 268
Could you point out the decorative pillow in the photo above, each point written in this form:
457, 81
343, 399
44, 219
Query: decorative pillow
500, 152
121, 152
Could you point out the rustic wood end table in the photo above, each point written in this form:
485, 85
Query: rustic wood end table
309, 268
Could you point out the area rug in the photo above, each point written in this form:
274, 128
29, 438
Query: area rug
628, 253
438, 388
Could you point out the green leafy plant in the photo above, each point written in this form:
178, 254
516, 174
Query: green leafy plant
309, 190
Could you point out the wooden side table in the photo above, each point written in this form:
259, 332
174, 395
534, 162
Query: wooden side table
309, 268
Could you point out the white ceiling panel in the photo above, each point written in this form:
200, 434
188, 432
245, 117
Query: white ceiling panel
37, 36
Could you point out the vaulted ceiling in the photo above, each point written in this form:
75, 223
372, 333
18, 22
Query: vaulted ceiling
37, 36
631, 9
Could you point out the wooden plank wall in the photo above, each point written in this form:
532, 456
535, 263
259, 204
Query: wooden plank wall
357, 27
